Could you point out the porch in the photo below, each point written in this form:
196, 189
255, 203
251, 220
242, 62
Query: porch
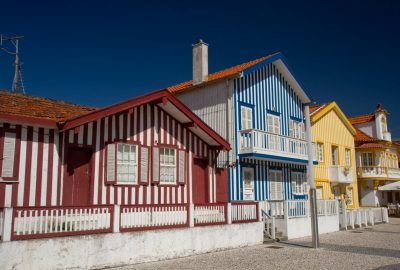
21, 223
378, 172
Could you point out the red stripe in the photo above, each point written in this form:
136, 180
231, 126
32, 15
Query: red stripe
76, 134
93, 163
165, 126
39, 169
101, 156
125, 131
14, 196
131, 126
28, 165
2, 194
50, 167
138, 123
85, 134
117, 135
109, 132
61, 138
144, 119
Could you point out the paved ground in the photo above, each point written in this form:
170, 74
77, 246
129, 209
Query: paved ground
370, 248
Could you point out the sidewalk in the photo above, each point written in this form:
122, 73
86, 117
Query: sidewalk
367, 248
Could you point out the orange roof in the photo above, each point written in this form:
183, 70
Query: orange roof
362, 136
371, 145
39, 107
361, 119
317, 107
220, 74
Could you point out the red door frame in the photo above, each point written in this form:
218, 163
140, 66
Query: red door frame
206, 180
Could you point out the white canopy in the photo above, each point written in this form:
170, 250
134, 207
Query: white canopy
391, 186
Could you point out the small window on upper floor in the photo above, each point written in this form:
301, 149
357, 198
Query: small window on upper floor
348, 156
367, 159
320, 152
335, 155
274, 124
247, 117
296, 130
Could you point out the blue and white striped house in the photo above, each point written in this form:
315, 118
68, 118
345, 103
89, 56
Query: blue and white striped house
258, 107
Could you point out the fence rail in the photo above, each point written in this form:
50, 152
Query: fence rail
244, 212
327, 207
39, 222
298, 208
210, 214
153, 217
273, 208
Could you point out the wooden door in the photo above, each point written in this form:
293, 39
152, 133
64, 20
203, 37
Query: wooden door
200, 181
76, 186
248, 184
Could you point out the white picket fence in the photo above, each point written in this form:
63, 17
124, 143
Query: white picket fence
273, 208
327, 207
352, 218
209, 214
296, 209
47, 221
242, 212
145, 217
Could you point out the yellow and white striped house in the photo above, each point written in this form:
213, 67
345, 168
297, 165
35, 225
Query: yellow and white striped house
333, 136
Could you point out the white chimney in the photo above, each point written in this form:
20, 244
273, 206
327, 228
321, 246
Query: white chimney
200, 62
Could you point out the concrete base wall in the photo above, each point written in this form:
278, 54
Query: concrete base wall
301, 227
116, 249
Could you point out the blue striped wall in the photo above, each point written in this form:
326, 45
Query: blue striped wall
267, 91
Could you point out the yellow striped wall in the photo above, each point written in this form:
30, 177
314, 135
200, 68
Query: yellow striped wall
331, 130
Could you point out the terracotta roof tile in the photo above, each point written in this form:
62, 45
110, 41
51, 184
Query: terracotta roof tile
371, 145
220, 74
361, 119
39, 107
317, 107
362, 136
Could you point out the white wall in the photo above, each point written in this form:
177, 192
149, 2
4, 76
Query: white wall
115, 249
301, 227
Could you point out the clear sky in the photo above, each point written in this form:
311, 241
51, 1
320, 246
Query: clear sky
101, 52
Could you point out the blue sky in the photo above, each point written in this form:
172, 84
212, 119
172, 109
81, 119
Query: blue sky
101, 52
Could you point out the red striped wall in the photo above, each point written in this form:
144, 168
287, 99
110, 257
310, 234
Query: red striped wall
42, 150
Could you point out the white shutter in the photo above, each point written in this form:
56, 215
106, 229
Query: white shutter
291, 127
111, 162
249, 118
144, 164
181, 168
279, 191
244, 115
272, 187
294, 191
156, 165
8, 155
270, 124
276, 125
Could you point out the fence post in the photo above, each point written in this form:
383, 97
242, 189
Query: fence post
7, 224
229, 213
352, 219
260, 218
191, 215
286, 216
116, 218
344, 214
385, 215
372, 217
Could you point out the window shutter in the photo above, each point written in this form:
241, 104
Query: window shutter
294, 183
244, 116
144, 164
8, 154
279, 189
291, 129
276, 125
182, 167
111, 170
270, 124
272, 191
156, 165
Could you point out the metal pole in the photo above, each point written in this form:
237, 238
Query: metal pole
15, 87
310, 174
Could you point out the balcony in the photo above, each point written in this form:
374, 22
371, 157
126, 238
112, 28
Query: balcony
379, 172
340, 174
253, 141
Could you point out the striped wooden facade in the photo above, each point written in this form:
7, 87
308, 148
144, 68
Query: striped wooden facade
267, 92
42, 153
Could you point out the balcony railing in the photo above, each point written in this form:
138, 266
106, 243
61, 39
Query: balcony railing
340, 174
257, 141
378, 171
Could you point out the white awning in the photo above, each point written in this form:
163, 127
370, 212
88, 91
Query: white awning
391, 186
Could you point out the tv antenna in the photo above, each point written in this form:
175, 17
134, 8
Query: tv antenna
18, 83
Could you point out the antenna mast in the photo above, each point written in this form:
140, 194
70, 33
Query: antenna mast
18, 84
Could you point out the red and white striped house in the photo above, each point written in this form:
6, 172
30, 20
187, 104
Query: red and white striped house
60, 160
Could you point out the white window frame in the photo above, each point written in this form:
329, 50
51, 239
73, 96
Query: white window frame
320, 151
297, 130
274, 124
333, 156
132, 164
171, 167
273, 177
299, 180
246, 117
347, 156
367, 159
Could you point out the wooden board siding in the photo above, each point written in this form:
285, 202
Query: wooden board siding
42, 160
331, 130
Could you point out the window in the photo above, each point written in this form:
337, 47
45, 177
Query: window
320, 152
274, 125
299, 185
348, 156
296, 130
9, 157
247, 117
248, 187
366, 159
350, 196
275, 185
335, 155
167, 166
127, 163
